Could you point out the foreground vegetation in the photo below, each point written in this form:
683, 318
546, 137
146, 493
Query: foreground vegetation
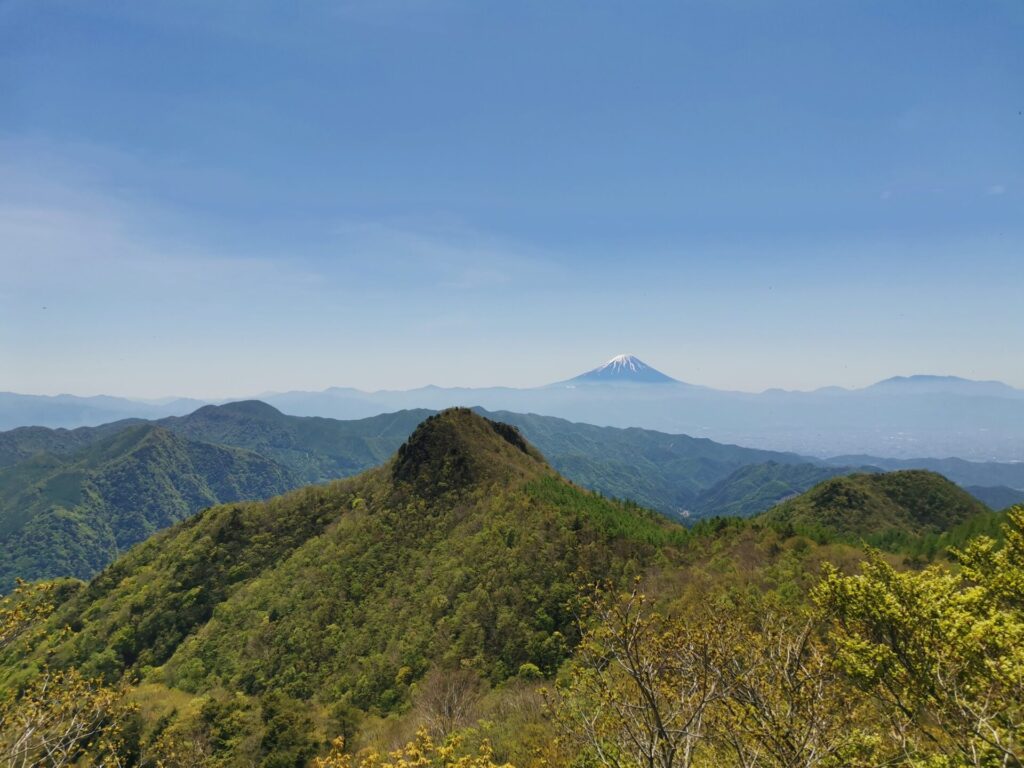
882, 667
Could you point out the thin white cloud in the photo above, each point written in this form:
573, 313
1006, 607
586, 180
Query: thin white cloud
115, 270
439, 254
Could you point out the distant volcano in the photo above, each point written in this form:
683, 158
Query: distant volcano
624, 369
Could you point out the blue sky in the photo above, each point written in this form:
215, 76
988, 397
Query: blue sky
218, 199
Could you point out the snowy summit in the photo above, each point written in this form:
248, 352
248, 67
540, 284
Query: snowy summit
624, 368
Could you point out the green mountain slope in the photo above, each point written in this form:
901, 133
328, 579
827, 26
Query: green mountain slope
674, 474
463, 551
879, 507
678, 475
71, 515
57, 519
251, 632
313, 448
657, 470
755, 488
22, 443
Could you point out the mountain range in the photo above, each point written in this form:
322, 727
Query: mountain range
253, 632
902, 417
71, 500
335, 600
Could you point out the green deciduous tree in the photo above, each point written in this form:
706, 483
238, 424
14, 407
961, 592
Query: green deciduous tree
942, 650
786, 704
23, 611
64, 719
422, 752
641, 686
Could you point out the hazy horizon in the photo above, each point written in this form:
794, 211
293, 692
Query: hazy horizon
257, 394
221, 200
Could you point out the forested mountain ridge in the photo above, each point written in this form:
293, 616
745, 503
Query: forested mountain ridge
997, 497
71, 500
315, 449
879, 506
464, 551
657, 470
754, 488
81, 523
22, 443
665, 472
680, 476
71, 515
966, 473
439, 589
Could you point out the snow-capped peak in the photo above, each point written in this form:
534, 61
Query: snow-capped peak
624, 363
624, 368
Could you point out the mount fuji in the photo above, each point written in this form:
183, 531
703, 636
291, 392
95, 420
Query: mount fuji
624, 369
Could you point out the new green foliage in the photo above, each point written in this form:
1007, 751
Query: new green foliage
70, 516
314, 449
253, 632
72, 500
754, 488
942, 650
464, 551
886, 509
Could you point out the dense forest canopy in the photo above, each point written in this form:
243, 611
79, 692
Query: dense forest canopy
465, 605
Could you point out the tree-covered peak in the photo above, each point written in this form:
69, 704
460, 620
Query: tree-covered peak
874, 505
458, 449
252, 409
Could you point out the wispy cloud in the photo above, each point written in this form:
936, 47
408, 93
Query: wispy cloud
75, 243
439, 254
